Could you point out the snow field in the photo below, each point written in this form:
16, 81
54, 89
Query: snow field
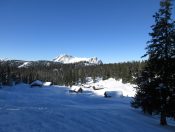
54, 109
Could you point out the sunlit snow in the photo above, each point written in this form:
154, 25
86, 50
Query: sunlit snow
55, 109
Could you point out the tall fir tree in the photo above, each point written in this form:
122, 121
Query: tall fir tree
155, 88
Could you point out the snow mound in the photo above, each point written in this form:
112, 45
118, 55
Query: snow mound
47, 83
68, 59
37, 83
101, 86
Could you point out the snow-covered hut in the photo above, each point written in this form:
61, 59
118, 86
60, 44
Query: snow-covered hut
108, 94
36, 83
76, 89
47, 83
97, 88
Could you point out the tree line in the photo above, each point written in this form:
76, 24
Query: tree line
66, 74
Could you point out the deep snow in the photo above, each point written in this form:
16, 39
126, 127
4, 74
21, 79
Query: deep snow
54, 109
109, 85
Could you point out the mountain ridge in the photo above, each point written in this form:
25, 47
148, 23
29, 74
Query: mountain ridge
68, 59
62, 59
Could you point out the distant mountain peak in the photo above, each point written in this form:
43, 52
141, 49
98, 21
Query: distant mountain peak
68, 59
4, 59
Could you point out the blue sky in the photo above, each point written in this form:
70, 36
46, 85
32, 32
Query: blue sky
112, 30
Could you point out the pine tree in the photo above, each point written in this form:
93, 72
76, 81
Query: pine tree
155, 82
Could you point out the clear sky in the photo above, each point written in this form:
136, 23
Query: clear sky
112, 30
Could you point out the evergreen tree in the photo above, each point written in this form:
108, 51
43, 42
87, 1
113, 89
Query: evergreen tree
155, 86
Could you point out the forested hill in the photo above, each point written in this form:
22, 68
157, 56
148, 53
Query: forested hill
65, 74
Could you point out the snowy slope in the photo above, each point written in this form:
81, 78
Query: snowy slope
67, 59
25, 65
53, 109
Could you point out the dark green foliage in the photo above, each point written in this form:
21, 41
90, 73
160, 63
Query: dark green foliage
66, 74
156, 87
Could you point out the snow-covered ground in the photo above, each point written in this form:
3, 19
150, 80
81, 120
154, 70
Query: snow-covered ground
54, 109
108, 85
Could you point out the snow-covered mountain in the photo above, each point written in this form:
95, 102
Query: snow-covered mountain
62, 59
4, 59
67, 59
